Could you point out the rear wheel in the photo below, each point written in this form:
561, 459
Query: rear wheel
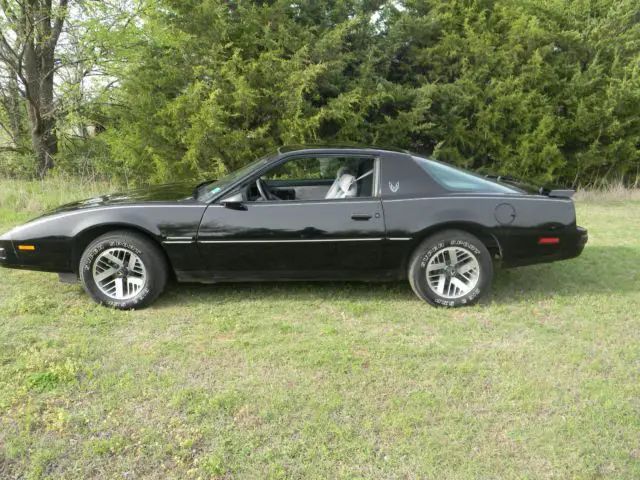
123, 270
451, 269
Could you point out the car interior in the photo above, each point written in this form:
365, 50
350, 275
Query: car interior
315, 178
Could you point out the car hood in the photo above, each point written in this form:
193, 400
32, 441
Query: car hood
172, 192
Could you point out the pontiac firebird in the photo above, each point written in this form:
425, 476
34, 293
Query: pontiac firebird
305, 213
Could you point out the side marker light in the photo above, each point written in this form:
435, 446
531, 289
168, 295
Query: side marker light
548, 240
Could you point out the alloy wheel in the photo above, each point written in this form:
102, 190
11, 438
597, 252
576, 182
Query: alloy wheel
453, 272
119, 273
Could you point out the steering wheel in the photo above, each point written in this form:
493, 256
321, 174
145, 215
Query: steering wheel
264, 191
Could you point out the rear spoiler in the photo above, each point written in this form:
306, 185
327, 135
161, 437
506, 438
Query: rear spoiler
557, 193
546, 191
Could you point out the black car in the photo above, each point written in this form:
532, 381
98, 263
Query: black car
307, 213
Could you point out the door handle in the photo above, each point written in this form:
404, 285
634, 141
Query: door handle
361, 216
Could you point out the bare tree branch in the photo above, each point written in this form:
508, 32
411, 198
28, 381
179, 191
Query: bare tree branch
57, 27
14, 149
7, 52
8, 132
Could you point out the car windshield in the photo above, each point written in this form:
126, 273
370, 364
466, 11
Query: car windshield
209, 189
455, 179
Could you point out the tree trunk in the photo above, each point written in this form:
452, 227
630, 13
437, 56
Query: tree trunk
38, 69
15, 111
45, 144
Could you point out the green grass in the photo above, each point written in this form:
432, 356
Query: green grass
328, 380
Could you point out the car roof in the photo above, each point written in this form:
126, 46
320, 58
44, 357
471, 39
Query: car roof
286, 149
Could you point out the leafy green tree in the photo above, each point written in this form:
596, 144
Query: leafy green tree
544, 89
547, 89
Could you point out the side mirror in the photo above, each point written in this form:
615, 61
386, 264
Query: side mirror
234, 202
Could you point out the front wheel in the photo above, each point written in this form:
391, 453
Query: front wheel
123, 270
451, 269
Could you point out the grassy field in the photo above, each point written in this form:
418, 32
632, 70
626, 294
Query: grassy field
327, 381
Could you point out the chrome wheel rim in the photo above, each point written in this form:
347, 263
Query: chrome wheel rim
119, 273
453, 272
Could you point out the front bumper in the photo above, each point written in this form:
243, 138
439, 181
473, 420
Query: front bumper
48, 255
8, 255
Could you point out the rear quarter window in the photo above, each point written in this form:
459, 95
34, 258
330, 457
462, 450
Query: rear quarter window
457, 180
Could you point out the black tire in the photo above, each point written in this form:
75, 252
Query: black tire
148, 252
434, 249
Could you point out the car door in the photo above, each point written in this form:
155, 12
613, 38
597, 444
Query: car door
292, 239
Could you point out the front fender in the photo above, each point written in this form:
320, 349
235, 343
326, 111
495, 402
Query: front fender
55, 237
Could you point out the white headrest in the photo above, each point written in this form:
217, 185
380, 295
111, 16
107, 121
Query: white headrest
342, 171
346, 181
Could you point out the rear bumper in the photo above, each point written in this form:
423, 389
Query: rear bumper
571, 246
575, 248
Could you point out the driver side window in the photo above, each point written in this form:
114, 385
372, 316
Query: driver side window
316, 178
